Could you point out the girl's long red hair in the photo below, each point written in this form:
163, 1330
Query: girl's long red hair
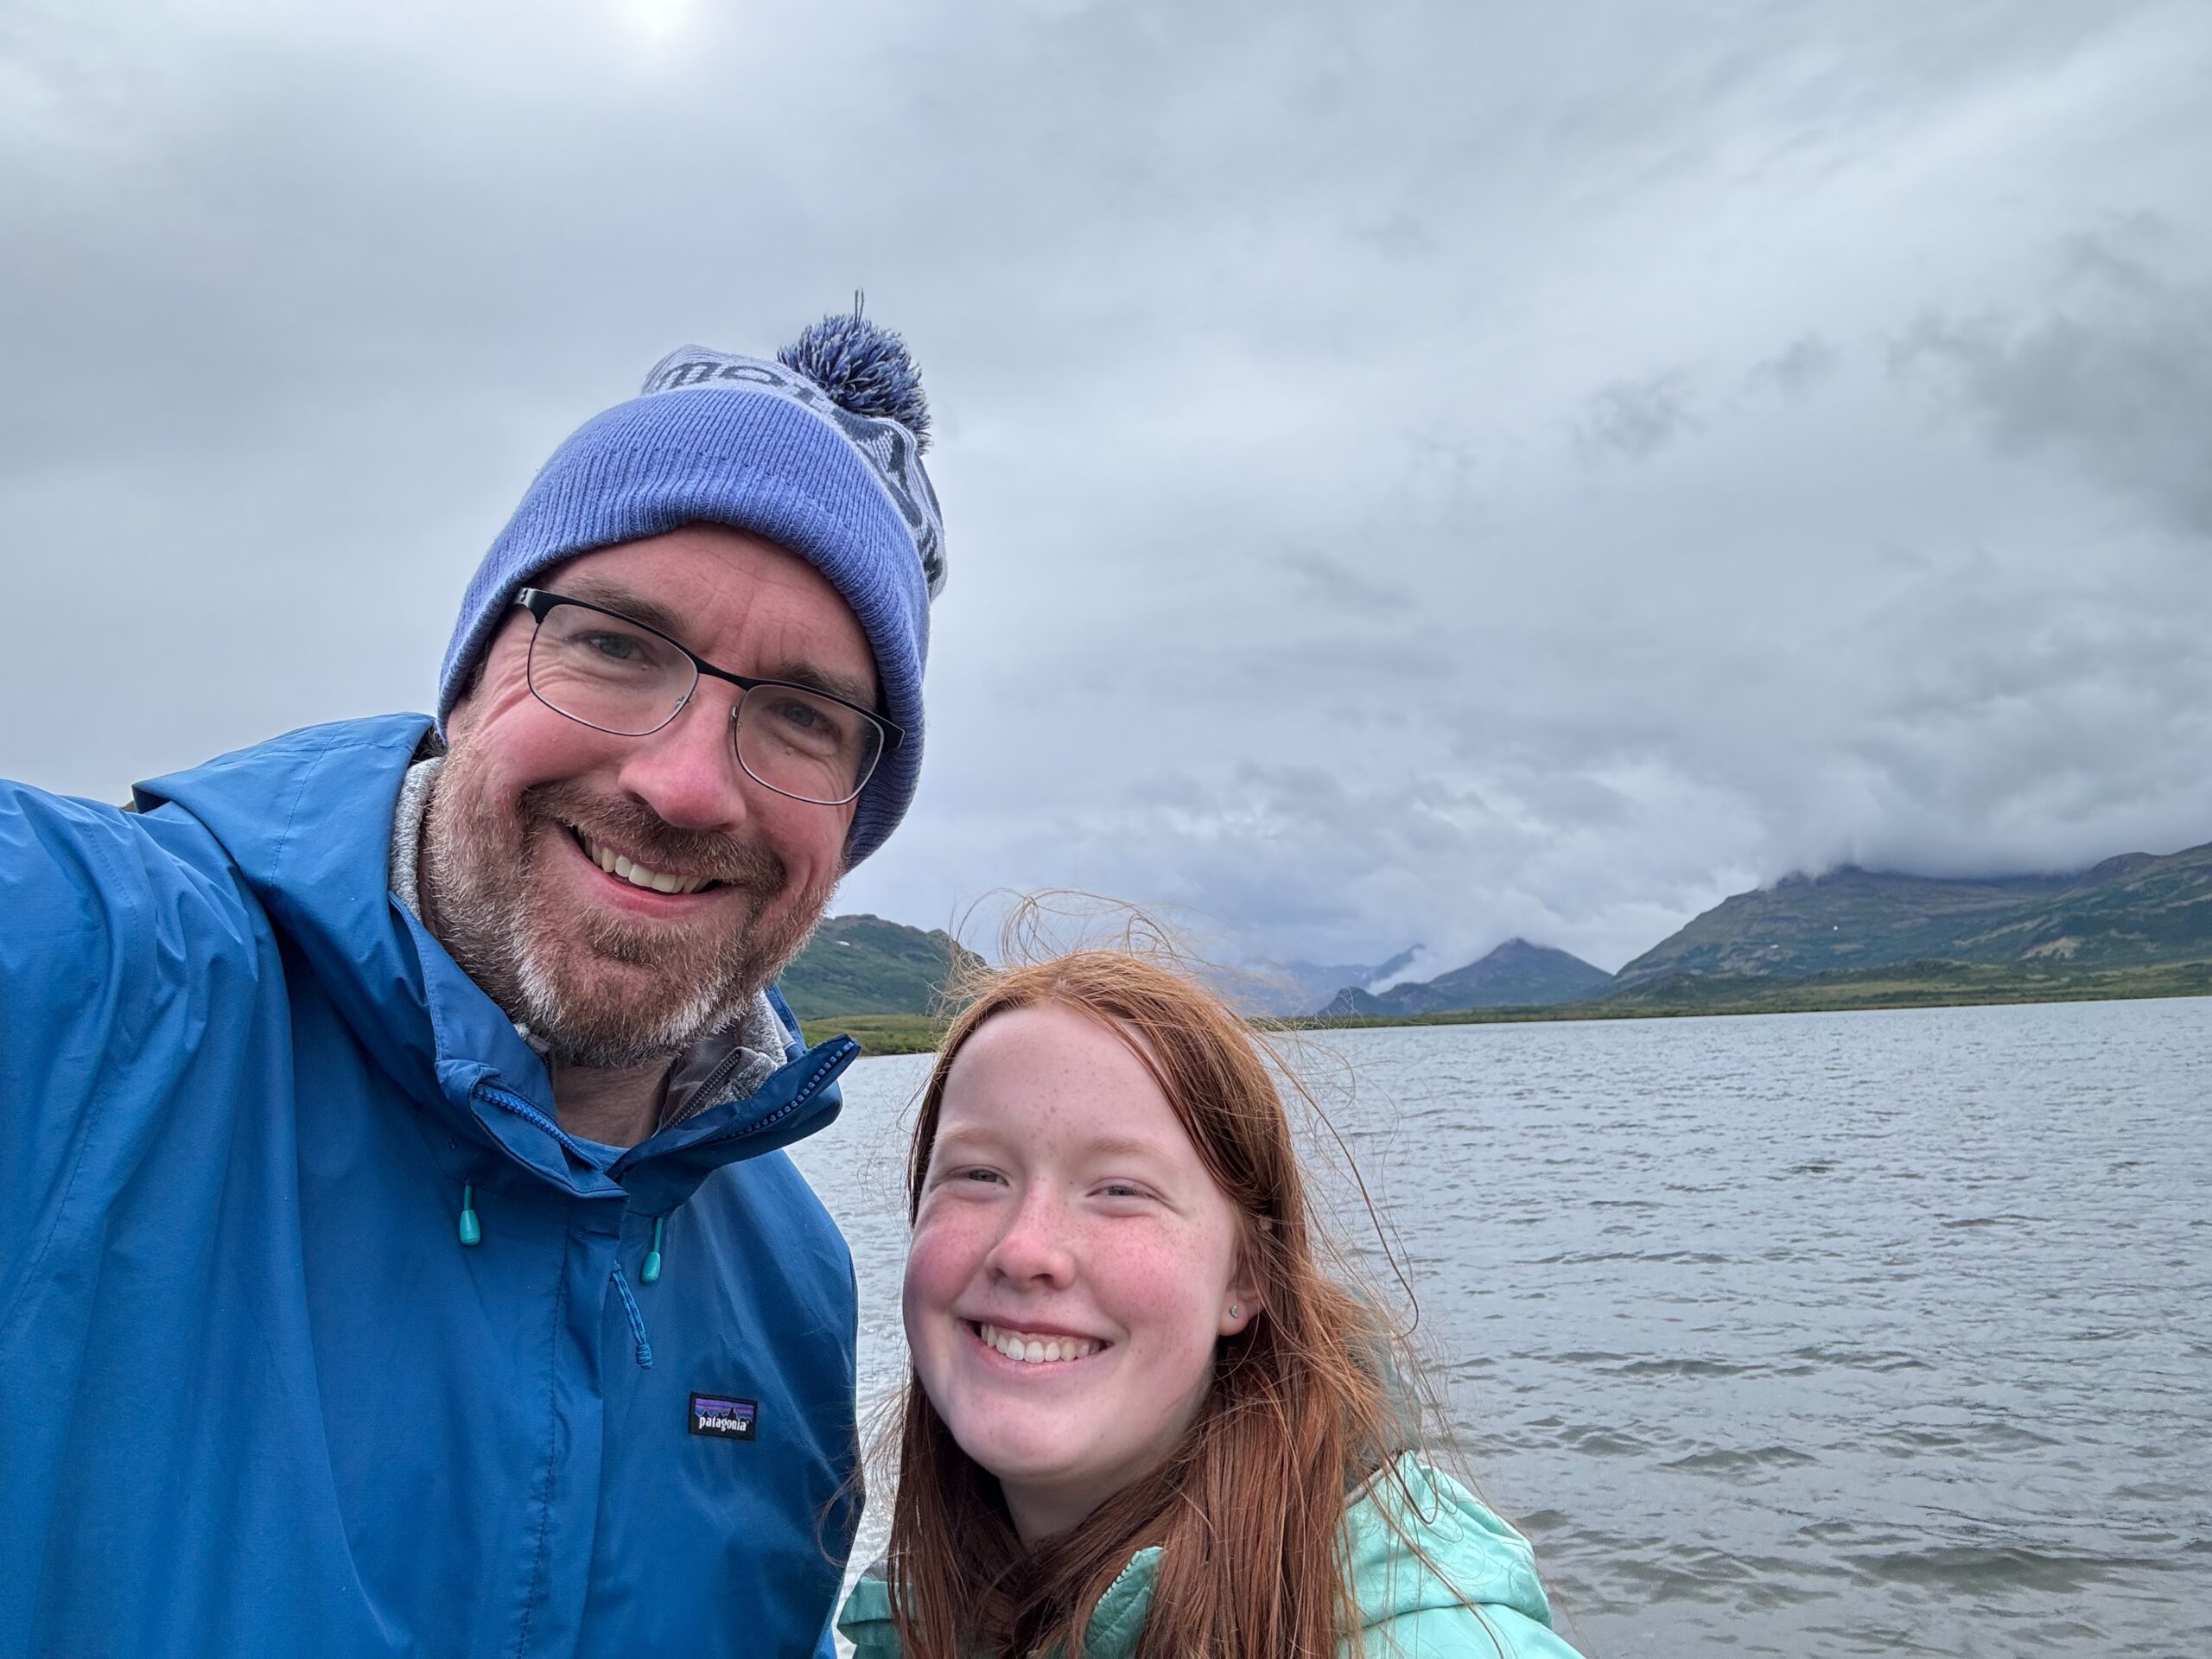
1248, 1508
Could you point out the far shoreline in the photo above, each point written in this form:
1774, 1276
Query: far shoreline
1915, 985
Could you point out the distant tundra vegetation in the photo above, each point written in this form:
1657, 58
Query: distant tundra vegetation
2136, 925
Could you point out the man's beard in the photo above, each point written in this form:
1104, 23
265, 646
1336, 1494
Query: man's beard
569, 976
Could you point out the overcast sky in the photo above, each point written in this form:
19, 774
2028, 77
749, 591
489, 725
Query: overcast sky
1412, 473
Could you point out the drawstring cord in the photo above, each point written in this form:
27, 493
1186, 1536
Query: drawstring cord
648, 1274
637, 1319
471, 1231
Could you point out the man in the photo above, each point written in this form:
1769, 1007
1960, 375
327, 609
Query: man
397, 1255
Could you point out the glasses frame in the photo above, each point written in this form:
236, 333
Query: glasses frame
541, 602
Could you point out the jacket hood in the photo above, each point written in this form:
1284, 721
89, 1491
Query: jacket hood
1466, 1555
305, 819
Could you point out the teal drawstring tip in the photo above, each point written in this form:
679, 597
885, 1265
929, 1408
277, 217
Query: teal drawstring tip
471, 1230
649, 1274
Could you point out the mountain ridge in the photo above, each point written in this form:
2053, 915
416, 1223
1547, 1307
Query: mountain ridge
2133, 918
1516, 974
1292, 987
862, 964
2133, 909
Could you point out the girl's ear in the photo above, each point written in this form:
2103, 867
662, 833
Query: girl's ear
1241, 1306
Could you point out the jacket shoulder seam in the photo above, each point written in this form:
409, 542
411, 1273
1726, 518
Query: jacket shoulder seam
299, 797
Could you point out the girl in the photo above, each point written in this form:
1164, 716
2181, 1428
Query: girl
1142, 1421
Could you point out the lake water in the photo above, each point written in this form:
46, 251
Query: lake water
1801, 1334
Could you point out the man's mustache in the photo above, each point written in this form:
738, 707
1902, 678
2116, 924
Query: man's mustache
647, 838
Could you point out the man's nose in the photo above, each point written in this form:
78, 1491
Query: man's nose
688, 770
1037, 1247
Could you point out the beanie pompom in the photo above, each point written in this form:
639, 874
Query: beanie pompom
865, 369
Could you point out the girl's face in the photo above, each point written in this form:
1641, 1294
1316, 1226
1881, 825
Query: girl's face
1073, 1265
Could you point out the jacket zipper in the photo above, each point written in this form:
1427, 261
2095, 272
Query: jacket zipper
806, 1092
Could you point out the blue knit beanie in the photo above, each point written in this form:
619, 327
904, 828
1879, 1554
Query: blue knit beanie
820, 452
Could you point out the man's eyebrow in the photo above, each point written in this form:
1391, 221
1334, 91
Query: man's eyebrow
843, 687
638, 608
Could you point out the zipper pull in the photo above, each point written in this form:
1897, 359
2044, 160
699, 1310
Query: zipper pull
471, 1230
649, 1274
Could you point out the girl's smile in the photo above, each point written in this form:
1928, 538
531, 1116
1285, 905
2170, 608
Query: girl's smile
1036, 1347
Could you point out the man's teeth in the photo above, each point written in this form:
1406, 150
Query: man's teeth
1037, 1351
637, 874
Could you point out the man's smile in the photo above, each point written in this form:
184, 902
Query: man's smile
622, 866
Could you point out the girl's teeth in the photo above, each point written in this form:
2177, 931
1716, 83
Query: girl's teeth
1037, 1351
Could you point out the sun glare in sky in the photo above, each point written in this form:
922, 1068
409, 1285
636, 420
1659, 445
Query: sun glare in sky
654, 19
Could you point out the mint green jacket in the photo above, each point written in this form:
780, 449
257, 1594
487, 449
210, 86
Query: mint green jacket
1487, 1601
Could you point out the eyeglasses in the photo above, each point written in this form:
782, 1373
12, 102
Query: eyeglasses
613, 673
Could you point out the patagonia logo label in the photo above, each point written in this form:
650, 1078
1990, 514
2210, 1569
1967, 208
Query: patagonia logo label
724, 1418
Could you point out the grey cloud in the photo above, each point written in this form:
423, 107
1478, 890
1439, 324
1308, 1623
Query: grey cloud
1796, 369
1400, 235
2116, 379
1636, 418
1337, 584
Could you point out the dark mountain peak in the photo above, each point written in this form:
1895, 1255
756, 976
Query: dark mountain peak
1835, 876
2125, 864
1520, 950
1351, 1000
1290, 988
1516, 974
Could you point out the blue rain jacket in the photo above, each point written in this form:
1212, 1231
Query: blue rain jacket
256, 1397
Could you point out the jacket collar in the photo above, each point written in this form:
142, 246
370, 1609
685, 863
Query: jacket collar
305, 819
1116, 1618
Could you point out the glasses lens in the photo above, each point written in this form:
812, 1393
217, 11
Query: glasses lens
812, 748
607, 672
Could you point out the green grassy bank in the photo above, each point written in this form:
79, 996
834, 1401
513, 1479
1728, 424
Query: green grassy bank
1914, 985
879, 1033
1910, 985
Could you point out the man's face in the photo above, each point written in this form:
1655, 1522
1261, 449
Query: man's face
604, 971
